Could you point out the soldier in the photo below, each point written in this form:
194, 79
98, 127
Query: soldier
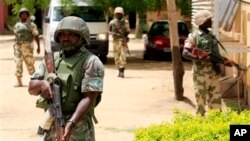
119, 28
81, 75
25, 31
205, 71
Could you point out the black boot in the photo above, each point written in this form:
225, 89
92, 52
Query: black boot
121, 72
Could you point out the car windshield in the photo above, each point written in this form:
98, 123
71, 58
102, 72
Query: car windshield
182, 29
159, 28
162, 28
88, 14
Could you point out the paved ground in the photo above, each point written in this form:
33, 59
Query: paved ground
144, 97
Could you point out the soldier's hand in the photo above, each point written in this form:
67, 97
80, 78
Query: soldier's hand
67, 131
38, 50
46, 90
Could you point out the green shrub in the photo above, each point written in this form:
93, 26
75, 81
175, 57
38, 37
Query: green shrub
187, 127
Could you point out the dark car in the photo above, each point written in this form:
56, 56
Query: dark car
157, 41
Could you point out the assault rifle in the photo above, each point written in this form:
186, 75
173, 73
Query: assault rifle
214, 57
55, 108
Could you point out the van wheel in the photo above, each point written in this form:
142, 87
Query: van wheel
103, 58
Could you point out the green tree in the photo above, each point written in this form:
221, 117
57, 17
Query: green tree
30, 4
185, 6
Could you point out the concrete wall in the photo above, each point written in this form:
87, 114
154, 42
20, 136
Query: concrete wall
3, 15
245, 39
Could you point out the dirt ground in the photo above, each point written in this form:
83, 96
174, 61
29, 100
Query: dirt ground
144, 97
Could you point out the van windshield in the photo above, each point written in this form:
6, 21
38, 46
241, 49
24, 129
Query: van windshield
88, 14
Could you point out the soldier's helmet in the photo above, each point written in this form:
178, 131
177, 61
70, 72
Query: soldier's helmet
202, 16
75, 25
24, 10
119, 10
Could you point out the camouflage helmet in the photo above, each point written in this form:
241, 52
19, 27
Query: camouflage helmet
119, 10
73, 24
23, 10
202, 16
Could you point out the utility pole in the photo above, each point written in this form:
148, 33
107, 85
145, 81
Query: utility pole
178, 69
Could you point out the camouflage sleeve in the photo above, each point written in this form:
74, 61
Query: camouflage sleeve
94, 74
190, 42
111, 25
15, 28
127, 26
39, 73
34, 29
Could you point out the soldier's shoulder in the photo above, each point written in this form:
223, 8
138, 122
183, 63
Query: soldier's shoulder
112, 21
33, 24
17, 23
194, 34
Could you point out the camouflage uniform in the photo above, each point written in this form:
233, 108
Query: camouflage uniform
120, 48
23, 49
80, 73
205, 78
92, 81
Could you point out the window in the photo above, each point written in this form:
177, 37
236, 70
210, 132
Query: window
159, 28
88, 14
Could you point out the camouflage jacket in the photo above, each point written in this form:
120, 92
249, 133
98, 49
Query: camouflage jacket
25, 31
206, 42
119, 27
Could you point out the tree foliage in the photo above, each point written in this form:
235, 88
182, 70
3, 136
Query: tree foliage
32, 5
140, 6
185, 6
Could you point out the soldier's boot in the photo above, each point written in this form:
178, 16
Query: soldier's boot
19, 82
121, 72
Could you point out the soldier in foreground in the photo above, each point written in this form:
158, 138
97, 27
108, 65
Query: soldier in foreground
80, 75
119, 28
202, 47
25, 31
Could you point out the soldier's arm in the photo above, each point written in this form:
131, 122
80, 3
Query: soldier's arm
37, 87
82, 108
189, 49
15, 29
36, 36
127, 26
37, 84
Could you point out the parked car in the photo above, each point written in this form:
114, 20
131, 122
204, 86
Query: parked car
157, 40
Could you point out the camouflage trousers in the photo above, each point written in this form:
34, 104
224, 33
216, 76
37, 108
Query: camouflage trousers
120, 54
207, 88
83, 131
24, 52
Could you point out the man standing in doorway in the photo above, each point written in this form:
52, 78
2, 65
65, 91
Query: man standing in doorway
119, 28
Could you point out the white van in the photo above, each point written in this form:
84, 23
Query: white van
93, 16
